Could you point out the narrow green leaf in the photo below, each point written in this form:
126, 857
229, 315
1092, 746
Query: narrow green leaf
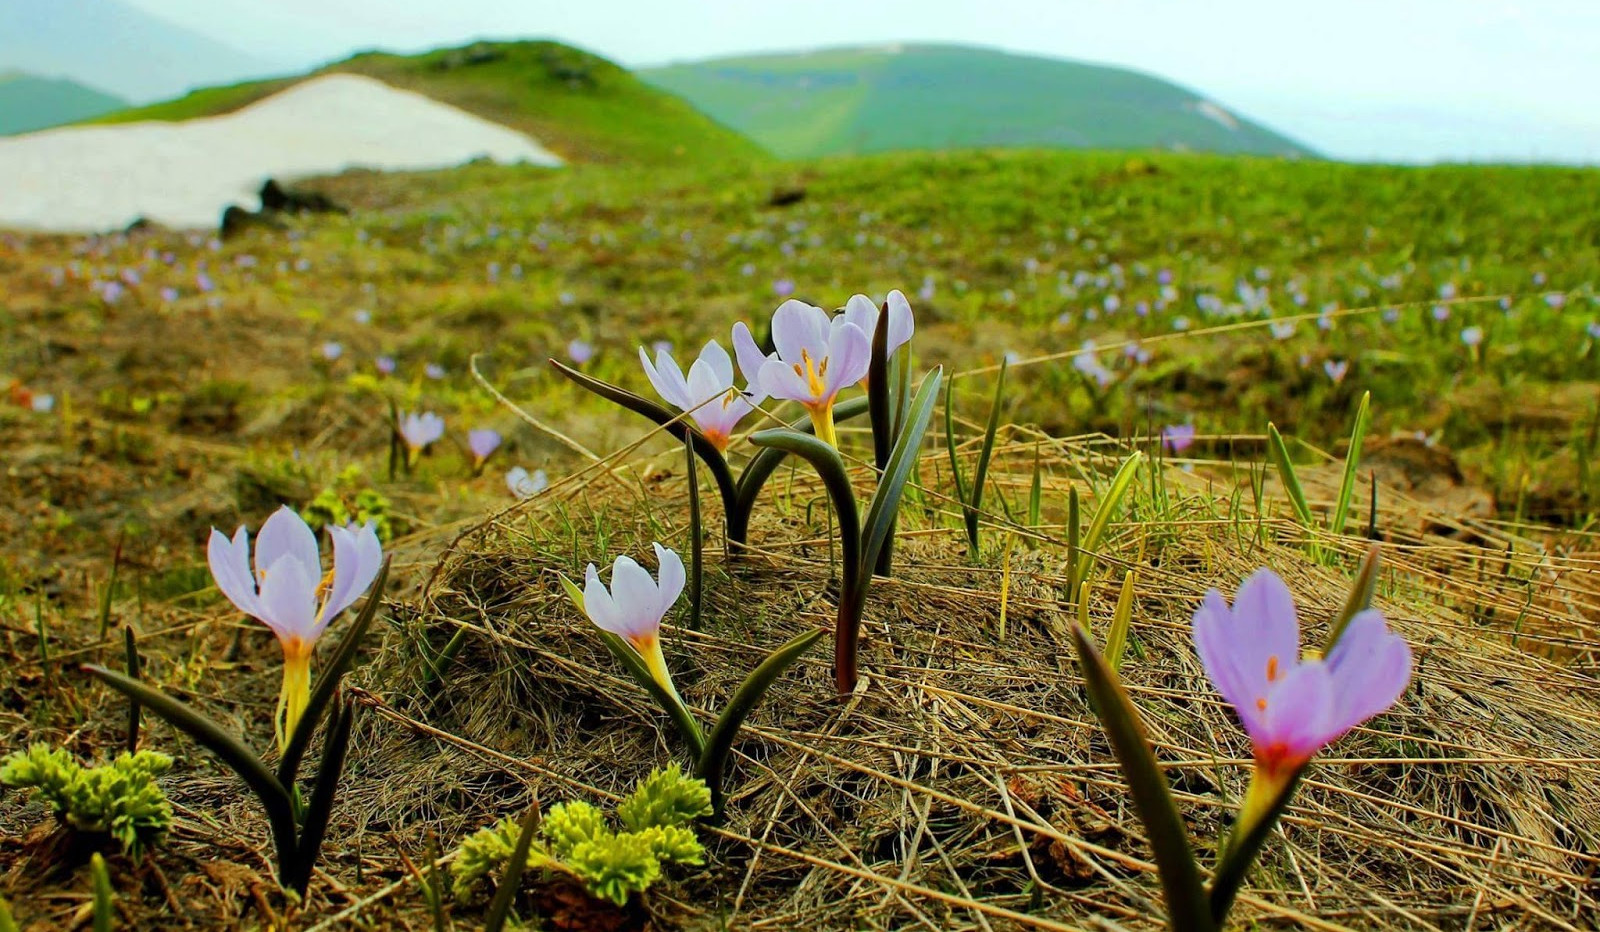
1279, 451
766, 462
1372, 509
332, 675
670, 703
1036, 492
438, 665
104, 902
506, 893
1360, 597
1187, 906
1117, 637
682, 429
1073, 527
275, 800
950, 443
980, 475
130, 654
830, 467
714, 760
573, 593
696, 540
319, 810
1105, 510
1352, 462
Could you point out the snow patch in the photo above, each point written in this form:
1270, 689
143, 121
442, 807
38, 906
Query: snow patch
94, 178
1212, 111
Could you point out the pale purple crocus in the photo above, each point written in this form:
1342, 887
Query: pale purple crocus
419, 431
783, 287
1472, 336
1176, 438
580, 351
482, 442
1293, 707
433, 371
817, 357
288, 591
1336, 369
524, 484
635, 604
707, 392
385, 365
860, 310
332, 350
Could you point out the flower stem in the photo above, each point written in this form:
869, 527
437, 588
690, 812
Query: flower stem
822, 421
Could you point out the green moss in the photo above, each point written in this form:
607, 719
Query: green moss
119, 799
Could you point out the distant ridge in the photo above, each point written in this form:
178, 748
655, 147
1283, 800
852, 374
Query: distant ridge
872, 99
579, 105
28, 103
117, 48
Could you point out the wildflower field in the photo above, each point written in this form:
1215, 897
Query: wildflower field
1047, 540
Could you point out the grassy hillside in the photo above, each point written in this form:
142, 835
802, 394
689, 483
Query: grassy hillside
578, 105
860, 100
28, 103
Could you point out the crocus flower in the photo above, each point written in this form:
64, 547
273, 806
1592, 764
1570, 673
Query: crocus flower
482, 442
332, 351
525, 485
385, 365
288, 592
635, 605
1292, 707
433, 371
1177, 437
419, 431
580, 352
1472, 336
707, 392
1336, 369
860, 310
817, 357
42, 404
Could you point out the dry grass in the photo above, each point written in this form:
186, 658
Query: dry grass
967, 784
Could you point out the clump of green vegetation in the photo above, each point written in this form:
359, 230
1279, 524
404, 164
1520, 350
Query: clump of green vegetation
342, 502
119, 799
576, 839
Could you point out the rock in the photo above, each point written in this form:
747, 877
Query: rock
277, 198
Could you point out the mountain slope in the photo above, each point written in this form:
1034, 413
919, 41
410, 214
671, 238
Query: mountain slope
28, 103
580, 106
115, 46
855, 100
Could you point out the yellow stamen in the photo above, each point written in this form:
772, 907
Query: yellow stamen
1272, 668
813, 372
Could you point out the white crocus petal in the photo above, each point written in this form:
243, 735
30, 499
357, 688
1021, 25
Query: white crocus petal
357, 554
704, 384
666, 378
860, 310
230, 567
750, 357
287, 534
288, 600
800, 330
902, 324
778, 379
849, 357
635, 594
671, 579
598, 604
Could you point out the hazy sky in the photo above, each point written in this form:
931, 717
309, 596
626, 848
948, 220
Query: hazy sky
1396, 79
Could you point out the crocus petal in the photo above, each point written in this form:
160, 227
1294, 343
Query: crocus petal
1247, 648
287, 534
799, 329
901, 322
1371, 666
289, 600
721, 365
230, 567
779, 380
637, 598
860, 310
672, 579
849, 357
751, 359
667, 379
1299, 715
1213, 641
357, 554
598, 604
703, 384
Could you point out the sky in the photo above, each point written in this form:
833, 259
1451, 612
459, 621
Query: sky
1392, 80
